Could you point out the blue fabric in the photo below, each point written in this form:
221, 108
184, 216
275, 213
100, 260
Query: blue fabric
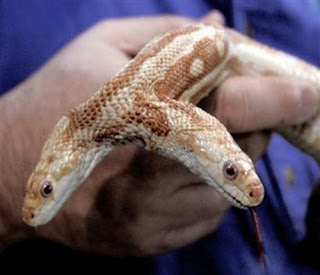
32, 31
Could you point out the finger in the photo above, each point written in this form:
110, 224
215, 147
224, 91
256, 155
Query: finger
130, 35
254, 103
213, 17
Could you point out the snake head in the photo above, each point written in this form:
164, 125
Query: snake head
55, 176
241, 185
232, 175
226, 167
52, 176
203, 144
40, 192
48, 187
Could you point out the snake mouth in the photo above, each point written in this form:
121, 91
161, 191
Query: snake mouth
233, 200
230, 198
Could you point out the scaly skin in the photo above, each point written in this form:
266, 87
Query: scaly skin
151, 103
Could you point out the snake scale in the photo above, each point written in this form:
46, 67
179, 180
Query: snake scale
152, 102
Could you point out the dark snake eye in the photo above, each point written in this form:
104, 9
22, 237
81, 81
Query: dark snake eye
230, 170
46, 188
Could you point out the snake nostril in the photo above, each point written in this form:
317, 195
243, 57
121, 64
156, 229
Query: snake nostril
256, 194
28, 215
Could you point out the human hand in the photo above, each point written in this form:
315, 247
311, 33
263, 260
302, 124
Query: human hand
135, 203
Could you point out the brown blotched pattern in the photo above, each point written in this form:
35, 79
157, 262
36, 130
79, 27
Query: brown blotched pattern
180, 78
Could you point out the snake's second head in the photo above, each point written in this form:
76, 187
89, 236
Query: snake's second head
241, 185
234, 178
210, 152
62, 167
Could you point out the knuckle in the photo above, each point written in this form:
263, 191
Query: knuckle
309, 98
290, 96
288, 100
298, 99
231, 106
219, 17
214, 17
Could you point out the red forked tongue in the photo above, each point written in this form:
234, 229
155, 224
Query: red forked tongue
257, 230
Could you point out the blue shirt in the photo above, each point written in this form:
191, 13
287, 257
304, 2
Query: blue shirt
31, 31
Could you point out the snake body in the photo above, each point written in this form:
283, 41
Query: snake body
151, 102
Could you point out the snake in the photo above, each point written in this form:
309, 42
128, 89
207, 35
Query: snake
151, 102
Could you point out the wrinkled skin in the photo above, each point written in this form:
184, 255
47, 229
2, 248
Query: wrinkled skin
134, 203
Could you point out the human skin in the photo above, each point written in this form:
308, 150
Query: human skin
135, 202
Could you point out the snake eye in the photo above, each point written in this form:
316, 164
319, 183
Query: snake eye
230, 170
46, 188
